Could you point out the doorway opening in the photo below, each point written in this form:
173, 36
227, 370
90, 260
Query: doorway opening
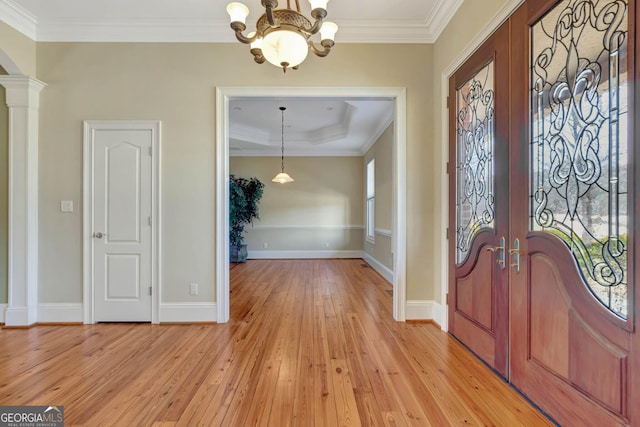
223, 98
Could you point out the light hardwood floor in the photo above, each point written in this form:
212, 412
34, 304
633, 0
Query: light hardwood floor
309, 343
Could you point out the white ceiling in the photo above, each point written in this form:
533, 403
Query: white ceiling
312, 127
318, 126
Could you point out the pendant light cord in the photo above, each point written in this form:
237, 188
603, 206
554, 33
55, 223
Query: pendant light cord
282, 164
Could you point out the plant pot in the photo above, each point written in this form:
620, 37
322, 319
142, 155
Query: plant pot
238, 253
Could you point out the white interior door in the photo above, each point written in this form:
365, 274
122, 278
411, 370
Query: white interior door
122, 237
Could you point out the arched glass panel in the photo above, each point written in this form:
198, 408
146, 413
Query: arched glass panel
579, 141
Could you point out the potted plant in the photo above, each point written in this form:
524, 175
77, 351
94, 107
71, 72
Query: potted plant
244, 196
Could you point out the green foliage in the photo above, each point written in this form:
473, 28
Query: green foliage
244, 196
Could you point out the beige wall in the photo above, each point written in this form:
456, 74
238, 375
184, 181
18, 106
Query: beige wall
382, 152
468, 22
176, 83
20, 48
321, 210
4, 196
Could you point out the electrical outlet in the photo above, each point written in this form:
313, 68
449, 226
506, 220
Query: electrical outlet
265, 245
194, 289
326, 244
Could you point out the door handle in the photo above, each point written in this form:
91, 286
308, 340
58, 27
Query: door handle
515, 252
98, 235
499, 250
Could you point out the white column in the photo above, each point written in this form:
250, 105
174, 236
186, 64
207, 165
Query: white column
23, 100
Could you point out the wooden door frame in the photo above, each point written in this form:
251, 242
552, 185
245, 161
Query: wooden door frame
90, 126
225, 94
481, 37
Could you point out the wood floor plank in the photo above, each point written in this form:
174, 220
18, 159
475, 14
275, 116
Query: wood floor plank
345, 400
309, 343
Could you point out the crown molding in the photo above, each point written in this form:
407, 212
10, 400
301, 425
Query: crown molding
19, 18
384, 124
295, 153
201, 30
207, 31
441, 16
134, 30
249, 134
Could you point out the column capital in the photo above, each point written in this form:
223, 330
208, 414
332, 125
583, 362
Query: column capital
22, 91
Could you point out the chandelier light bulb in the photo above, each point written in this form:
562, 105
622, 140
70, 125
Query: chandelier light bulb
257, 44
328, 31
318, 4
238, 12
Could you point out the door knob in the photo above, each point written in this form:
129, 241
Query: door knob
515, 251
499, 250
98, 235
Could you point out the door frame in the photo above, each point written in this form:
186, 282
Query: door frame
90, 126
482, 36
399, 218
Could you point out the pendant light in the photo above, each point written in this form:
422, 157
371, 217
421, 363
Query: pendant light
282, 177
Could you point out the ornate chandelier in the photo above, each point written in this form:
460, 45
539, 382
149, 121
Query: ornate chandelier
282, 35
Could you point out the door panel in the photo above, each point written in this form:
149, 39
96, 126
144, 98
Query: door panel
474, 293
478, 113
122, 231
572, 310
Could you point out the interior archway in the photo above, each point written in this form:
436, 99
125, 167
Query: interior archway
7, 65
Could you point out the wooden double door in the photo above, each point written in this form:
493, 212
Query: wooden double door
543, 207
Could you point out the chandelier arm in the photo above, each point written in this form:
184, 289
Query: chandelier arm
326, 44
257, 55
269, 6
318, 14
238, 28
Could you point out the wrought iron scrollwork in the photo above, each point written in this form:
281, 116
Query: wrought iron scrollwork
579, 139
475, 201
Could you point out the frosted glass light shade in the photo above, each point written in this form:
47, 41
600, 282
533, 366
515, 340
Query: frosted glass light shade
257, 43
284, 47
318, 4
328, 31
238, 12
282, 178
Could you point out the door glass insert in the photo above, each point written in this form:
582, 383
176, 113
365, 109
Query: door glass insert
579, 140
475, 204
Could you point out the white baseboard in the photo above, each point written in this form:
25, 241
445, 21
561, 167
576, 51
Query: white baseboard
304, 254
20, 316
188, 312
382, 269
424, 310
3, 308
60, 313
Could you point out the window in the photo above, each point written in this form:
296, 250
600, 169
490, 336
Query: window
371, 196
